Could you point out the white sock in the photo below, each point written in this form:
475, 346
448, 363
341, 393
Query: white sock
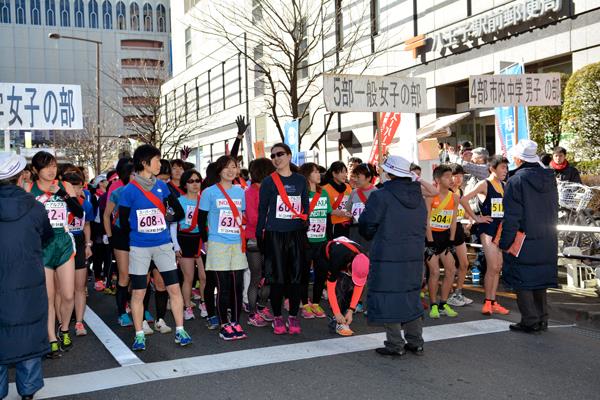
139, 333
179, 328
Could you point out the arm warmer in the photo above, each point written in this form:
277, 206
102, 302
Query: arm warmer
124, 219
333, 302
202, 219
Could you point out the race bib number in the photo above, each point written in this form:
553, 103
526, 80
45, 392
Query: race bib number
317, 227
357, 209
460, 213
442, 219
227, 223
342, 205
283, 212
77, 224
57, 213
150, 220
189, 214
497, 208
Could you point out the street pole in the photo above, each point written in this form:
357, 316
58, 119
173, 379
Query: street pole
248, 131
98, 148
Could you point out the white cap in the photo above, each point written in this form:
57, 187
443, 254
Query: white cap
11, 165
525, 150
398, 166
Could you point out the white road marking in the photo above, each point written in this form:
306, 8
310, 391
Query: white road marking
119, 350
136, 374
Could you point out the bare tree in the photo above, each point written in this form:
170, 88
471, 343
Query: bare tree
287, 45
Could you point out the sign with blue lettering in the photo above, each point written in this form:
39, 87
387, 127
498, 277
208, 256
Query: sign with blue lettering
31, 106
291, 138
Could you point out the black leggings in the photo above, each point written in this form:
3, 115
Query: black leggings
230, 285
256, 294
316, 257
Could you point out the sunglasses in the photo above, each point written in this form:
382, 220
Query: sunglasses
194, 181
278, 154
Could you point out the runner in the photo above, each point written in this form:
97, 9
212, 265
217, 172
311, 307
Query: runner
258, 292
339, 192
363, 176
187, 241
318, 232
222, 205
60, 201
490, 193
347, 271
144, 217
177, 169
281, 235
82, 233
99, 249
458, 299
441, 230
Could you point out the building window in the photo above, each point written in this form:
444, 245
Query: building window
374, 17
5, 11
134, 12
147, 17
107, 14
35, 7
339, 26
20, 12
256, 10
65, 13
93, 14
121, 16
259, 72
188, 47
50, 13
161, 18
79, 20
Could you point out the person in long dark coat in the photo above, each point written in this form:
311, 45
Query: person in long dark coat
395, 218
24, 227
530, 206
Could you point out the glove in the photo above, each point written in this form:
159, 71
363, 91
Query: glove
241, 124
452, 250
429, 251
105, 239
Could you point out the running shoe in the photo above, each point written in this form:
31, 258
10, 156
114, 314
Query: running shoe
203, 312
125, 320
306, 312
317, 310
182, 338
246, 307
466, 299
239, 331
279, 327
162, 327
227, 333
80, 329
139, 344
265, 313
54, 351
146, 328
455, 300
148, 317
212, 322
188, 313
110, 291
256, 320
196, 295
293, 325
434, 312
448, 311
343, 330
487, 308
359, 308
498, 309
99, 285
65, 341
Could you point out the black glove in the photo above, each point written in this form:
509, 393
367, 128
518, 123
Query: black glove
452, 250
62, 194
240, 121
429, 251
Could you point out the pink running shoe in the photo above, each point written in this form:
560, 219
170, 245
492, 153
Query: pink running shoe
278, 326
317, 310
294, 325
266, 314
256, 320
99, 286
239, 331
306, 312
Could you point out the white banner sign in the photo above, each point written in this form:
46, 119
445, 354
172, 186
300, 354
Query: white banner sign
488, 91
31, 106
374, 93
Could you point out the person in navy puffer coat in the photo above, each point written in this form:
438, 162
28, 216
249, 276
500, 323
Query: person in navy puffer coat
395, 218
24, 228
530, 206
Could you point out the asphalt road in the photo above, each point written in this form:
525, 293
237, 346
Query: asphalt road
561, 363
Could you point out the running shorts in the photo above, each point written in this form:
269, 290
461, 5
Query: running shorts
79, 251
284, 256
225, 257
140, 259
119, 240
60, 250
459, 236
190, 243
441, 241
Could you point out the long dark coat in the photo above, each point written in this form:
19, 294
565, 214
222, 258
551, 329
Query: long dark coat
396, 218
24, 226
531, 206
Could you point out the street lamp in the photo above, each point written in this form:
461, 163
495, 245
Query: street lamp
97, 43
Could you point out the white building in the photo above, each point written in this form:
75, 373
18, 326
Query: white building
459, 38
135, 36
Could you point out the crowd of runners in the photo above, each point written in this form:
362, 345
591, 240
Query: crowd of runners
237, 247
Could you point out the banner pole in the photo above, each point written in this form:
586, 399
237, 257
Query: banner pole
516, 112
379, 148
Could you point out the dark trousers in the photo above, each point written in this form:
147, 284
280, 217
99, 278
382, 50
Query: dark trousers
533, 306
28, 378
413, 334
